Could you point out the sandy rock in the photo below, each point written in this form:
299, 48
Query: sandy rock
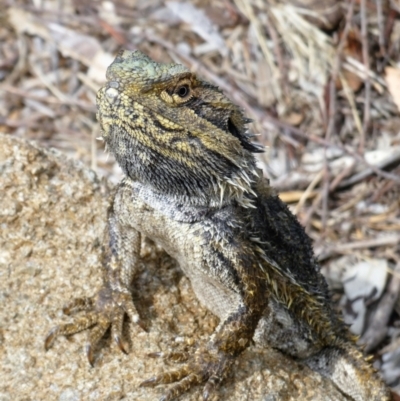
52, 214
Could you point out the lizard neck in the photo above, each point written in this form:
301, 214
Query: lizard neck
210, 182
180, 207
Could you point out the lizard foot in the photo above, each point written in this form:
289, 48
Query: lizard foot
209, 367
106, 309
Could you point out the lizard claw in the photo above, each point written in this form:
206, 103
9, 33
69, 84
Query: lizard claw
89, 354
210, 386
153, 381
106, 309
206, 368
156, 355
49, 340
120, 343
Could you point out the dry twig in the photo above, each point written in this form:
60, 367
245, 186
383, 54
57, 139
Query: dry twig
367, 82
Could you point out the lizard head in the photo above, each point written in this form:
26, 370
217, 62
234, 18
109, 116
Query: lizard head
175, 132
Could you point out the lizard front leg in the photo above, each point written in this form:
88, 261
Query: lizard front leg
108, 307
211, 364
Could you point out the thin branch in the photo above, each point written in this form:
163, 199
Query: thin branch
394, 158
308, 191
381, 28
350, 98
342, 175
367, 82
387, 240
283, 79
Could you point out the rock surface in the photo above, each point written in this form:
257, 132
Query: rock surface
52, 214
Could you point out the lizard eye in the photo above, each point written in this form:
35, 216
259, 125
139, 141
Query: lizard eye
183, 91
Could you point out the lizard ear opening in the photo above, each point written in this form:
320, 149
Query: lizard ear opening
244, 138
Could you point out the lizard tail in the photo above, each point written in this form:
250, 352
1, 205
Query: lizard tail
350, 372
